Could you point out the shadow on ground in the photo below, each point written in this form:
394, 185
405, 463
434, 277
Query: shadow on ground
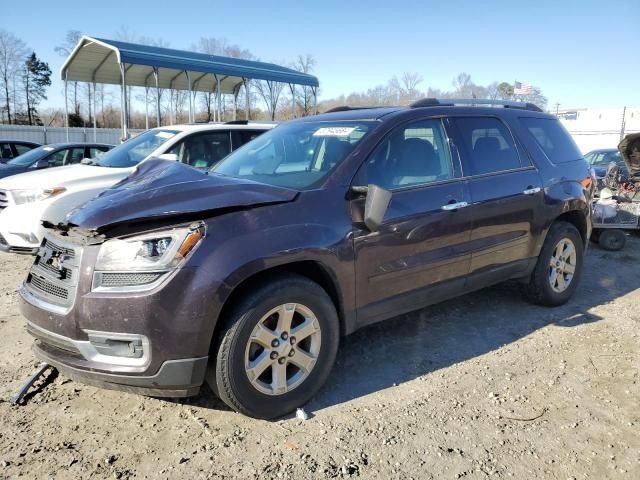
403, 348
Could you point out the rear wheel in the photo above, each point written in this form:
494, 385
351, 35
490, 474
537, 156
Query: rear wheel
612, 239
559, 266
278, 348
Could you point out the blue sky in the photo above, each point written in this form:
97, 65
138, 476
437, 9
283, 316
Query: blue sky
580, 53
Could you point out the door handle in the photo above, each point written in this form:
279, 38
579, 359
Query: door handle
454, 206
531, 190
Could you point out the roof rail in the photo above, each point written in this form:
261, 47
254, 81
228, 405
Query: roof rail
248, 122
431, 102
346, 108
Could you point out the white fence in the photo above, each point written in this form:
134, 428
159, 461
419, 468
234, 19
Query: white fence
59, 134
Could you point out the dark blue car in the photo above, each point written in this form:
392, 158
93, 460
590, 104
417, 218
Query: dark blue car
601, 158
54, 155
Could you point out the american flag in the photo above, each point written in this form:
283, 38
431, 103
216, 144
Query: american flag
520, 88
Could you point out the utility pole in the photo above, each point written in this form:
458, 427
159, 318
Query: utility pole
622, 126
557, 108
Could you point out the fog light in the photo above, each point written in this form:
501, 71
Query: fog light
117, 347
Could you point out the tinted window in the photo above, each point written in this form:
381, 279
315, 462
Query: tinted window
5, 150
203, 150
553, 139
240, 137
22, 148
487, 146
414, 154
296, 155
604, 158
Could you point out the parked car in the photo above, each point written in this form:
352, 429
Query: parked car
29, 198
54, 155
601, 159
249, 275
13, 148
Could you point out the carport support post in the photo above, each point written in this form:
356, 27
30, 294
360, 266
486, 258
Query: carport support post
156, 75
315, 100
293, 98
190, 99
95, 114
246, 93
66, 106
125, 109
146, 107
216, 117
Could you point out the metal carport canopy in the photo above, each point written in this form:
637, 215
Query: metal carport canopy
99, 60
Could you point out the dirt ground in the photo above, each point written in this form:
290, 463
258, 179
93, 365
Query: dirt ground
483, 386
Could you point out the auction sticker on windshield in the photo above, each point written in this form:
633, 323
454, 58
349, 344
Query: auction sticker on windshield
334, 132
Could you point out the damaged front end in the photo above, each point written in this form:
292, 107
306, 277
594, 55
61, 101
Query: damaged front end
161, 193
115, 294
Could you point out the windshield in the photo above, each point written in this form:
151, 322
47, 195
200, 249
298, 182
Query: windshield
30, 157
298, 155
133, 151
604, 158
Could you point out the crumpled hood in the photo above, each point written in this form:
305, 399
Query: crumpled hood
162, 189
630, 150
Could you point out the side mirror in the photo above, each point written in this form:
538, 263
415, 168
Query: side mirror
172, 157
41, 164
375, 206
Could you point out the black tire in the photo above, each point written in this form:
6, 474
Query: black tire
232, 383
539, 289
612, 239
595, 235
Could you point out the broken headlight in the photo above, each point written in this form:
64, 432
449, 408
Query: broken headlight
140, 262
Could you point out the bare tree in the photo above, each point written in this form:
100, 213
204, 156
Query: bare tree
70, 41
405, 88
13, 52
270, 92
463, 85
304, 102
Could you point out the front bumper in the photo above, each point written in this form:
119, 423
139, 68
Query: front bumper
76, 359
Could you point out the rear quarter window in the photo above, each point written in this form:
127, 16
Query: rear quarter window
553, 139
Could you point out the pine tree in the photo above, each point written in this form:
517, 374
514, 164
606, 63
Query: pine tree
36, 77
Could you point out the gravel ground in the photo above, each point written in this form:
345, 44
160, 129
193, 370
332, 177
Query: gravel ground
483, 386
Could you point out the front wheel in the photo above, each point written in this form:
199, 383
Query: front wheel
277, 349
559, 266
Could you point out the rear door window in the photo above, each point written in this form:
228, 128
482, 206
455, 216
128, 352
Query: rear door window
203, 150
5, 150
552, 138
240, 137
20, 148
487, 145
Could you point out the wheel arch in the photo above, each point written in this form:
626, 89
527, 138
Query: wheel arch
578, 219
310, 269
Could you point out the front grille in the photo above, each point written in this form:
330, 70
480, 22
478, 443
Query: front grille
4, 199
48, 288
70, 252
127, 279
54, 274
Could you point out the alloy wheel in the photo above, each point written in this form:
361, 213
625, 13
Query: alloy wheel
283, 349
562, 265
